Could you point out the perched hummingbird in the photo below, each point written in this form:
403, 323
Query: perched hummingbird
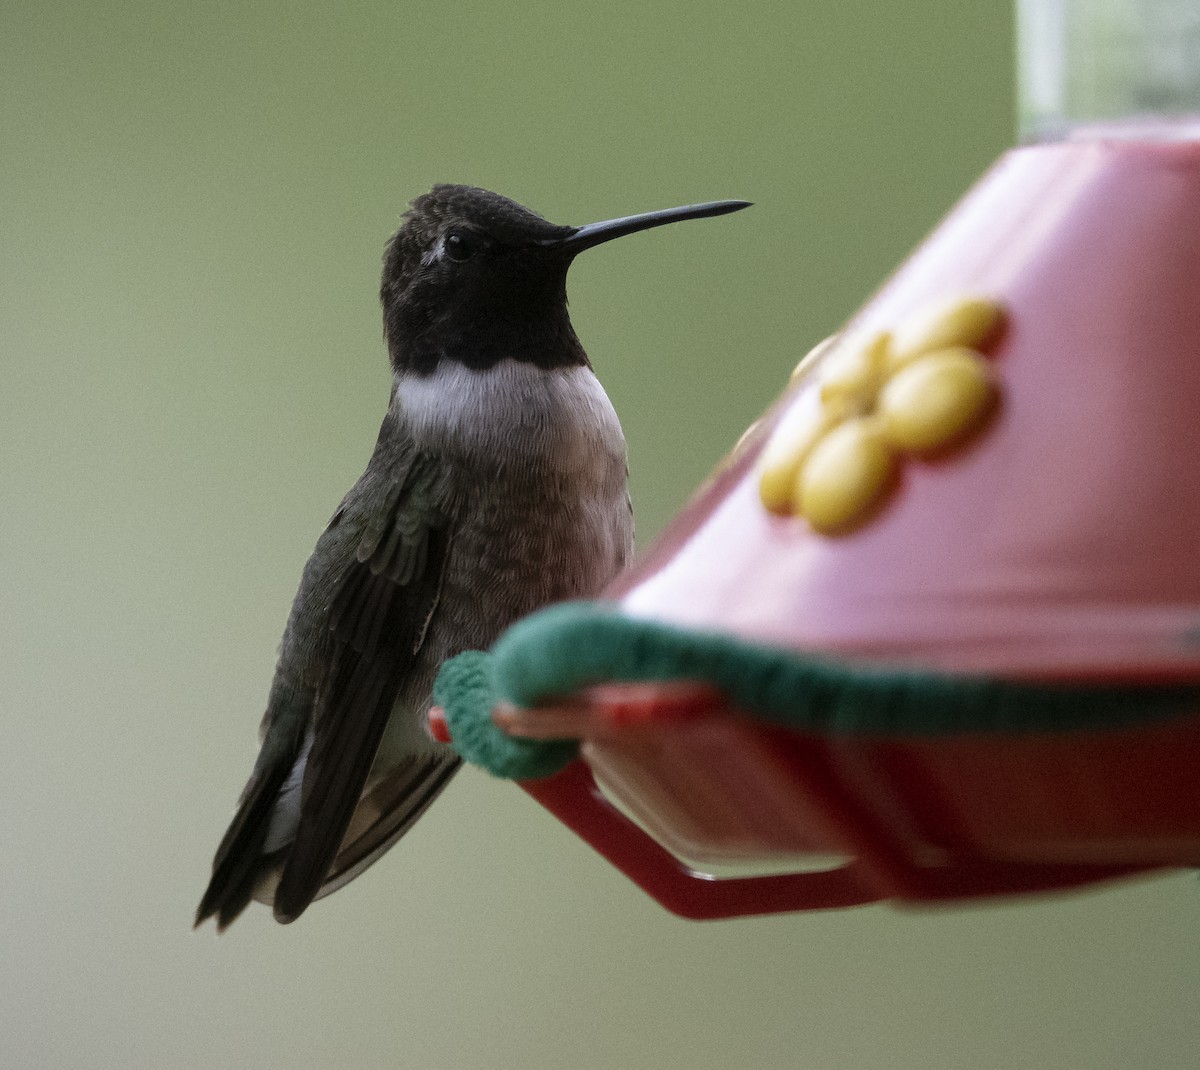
497, 486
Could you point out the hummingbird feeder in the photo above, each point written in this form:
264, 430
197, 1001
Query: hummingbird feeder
932, 630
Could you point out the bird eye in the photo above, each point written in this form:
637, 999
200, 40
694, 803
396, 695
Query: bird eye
459, 247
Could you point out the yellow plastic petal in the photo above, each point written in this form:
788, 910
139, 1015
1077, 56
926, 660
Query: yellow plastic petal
786, 451
850, 376
936, 400
969, 321
844, 476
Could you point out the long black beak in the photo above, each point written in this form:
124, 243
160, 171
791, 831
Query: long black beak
597, 233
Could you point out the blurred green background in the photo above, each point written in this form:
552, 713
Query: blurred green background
194, 202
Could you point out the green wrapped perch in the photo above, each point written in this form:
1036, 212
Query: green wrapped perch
567, 647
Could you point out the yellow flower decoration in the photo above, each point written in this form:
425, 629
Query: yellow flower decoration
916, 390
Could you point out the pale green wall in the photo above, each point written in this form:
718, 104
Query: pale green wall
194, 198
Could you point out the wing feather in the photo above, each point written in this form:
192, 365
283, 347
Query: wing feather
386, 812
369, 593
378, 619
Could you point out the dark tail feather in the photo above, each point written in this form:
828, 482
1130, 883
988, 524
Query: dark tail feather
239, 861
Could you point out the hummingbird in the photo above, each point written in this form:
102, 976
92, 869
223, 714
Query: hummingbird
498, 485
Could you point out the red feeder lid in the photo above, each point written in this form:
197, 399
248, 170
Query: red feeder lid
1053, 539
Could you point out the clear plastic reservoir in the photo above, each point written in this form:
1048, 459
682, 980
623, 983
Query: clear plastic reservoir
1108, 69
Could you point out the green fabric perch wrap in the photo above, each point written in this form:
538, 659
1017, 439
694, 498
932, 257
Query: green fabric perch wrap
566, 647
465, 689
